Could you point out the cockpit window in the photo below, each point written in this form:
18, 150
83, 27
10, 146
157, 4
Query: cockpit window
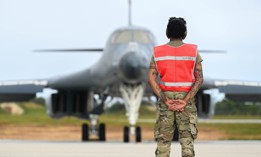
132, 35
142, 37
122, 37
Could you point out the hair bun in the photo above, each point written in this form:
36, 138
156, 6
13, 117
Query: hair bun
179, 19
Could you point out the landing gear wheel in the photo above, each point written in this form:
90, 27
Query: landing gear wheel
126, 133
138, 134
102, 132
85, 132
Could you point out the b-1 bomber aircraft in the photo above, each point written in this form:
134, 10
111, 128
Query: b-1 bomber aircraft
120, 72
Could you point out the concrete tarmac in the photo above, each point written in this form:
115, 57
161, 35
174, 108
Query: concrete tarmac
14, 148
216, 121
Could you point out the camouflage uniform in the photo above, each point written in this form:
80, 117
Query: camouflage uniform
186, 122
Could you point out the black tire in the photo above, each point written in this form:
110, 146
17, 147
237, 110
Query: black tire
126, 133
102, 132
138, 134
85, 132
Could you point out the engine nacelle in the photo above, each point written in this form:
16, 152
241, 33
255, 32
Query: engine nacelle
70, 103
203, 104
207, 100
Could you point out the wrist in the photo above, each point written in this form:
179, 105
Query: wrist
186, 100
162, 96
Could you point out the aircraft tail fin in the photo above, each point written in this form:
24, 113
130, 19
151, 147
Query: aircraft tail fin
130, 13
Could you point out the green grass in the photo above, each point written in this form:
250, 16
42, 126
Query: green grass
236, 117
36, 115
237, 131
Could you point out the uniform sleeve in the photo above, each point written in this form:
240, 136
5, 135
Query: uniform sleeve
198, 59
152, 60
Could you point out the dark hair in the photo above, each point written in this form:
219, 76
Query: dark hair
176, 28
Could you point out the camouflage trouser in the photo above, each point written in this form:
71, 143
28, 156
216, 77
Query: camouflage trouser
186, 122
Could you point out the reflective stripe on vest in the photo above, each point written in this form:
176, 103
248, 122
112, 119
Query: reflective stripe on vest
184, 58
176, 84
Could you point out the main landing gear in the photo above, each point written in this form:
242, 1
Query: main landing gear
97, 131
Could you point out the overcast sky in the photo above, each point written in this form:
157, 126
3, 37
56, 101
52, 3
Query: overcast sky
26, 25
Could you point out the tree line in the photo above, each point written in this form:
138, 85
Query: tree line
227, 106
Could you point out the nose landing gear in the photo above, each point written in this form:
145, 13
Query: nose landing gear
136, 132
132, 96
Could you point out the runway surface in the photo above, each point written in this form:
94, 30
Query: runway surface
13, 148
216, 121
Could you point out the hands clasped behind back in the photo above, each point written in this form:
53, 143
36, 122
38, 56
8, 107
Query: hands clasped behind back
175, 105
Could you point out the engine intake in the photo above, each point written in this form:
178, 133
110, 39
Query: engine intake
70, 103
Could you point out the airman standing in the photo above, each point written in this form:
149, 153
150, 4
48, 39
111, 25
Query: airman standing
178, 67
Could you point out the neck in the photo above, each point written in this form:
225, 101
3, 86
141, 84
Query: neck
175, 40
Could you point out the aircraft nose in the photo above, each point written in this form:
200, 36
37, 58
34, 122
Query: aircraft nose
130, 66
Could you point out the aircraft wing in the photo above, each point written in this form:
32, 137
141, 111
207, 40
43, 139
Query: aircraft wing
20, 90
240, 90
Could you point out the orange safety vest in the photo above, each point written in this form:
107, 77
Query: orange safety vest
176, 66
